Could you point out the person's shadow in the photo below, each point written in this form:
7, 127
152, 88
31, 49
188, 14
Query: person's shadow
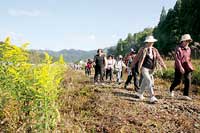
126, 96
133, 97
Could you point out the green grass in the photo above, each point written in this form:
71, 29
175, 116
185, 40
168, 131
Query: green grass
169, 73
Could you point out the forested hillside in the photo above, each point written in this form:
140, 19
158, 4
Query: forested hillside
183, 18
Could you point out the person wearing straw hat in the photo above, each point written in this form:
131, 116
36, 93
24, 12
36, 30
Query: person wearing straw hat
183, 66
147, 58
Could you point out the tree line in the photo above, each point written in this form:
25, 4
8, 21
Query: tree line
183, 18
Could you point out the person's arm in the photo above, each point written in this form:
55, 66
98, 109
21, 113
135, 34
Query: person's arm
160, 60
178, 56
123, 64
94, 61
141, 59
106, 62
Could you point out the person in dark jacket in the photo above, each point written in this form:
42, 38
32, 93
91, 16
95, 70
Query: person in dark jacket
132, 72
100, 63
183, 66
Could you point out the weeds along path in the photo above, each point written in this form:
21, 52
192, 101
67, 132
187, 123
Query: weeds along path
95, 108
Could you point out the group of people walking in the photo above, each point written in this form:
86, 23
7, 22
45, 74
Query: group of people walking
141, 67
107, 66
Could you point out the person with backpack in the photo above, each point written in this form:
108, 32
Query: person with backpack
119, 64
100, 63
147, 58
183, 66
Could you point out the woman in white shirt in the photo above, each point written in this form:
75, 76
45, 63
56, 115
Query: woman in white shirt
110, 67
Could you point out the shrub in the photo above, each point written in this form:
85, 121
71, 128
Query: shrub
33, 89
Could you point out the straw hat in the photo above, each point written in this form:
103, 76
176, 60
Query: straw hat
186, 37
150, 39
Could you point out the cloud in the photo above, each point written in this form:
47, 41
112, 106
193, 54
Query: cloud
114, 36
20, 12
92, 37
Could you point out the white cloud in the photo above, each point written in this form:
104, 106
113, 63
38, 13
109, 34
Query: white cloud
114, 36
20, 12
92, 37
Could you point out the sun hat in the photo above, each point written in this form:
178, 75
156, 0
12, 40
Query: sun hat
150, 39
120, 56
186, 37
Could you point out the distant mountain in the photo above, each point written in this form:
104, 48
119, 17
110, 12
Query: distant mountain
70, 55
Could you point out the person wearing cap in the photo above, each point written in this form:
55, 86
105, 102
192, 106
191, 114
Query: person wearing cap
183, 66
119, 64
130, 71
100, 63
146, 59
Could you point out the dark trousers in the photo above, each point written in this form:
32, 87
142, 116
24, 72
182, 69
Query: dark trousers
137, 81
88, 71
128, 80
99, 70
109, 73
177, 80
135, 76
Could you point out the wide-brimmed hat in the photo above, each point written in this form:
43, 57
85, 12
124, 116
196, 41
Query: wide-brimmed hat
150, 39
186, 37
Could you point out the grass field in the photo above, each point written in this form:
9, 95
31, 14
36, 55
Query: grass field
85, 107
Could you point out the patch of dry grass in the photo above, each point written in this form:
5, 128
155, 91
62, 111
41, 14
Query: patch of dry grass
89, 108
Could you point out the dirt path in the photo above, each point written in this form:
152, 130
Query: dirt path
110, 108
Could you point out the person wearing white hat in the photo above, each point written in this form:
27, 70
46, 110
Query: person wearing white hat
183, 66
146, 59
119, 64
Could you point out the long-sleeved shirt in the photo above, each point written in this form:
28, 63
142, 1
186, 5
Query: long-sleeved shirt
139, 58
182, 55
110, 63
119, 65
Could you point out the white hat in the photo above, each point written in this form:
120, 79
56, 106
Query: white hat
150, 39
120, 56
132, 50
186, 37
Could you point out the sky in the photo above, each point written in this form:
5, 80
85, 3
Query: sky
76, 24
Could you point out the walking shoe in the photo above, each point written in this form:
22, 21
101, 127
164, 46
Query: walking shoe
141, 97
136, 89
186, 98
171, 93
153, 99
102, 84
125, 86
